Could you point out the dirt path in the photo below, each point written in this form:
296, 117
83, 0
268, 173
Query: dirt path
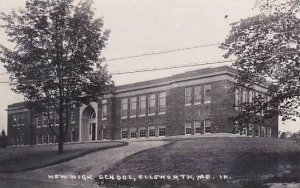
86, 167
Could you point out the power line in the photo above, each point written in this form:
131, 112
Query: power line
178, 66
145, 70
130, 57
163, 52
149, 54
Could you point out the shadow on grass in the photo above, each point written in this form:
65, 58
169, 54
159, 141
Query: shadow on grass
270, 167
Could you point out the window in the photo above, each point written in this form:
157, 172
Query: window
152, 131
45, 139
142, 105
188, 96
132, 106
124, 107
56, 119
38, 139
133, 132
18, 119
143, 132
14, 120
51, 139
237, 99
162, 130
262, 131
197, 95
207, 126
39, 121
250, 95
45, 121
73, 117
22, 119
188, 128
124, 133
207, 93
151, 104
197, 125
244, 96
162, 102
268, 132
104, 109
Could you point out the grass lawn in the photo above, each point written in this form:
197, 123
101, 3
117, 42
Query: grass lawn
16, 159
243, 159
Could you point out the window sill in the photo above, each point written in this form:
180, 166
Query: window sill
151, 114
189, 104
197, 103
124, 117
132, 117
161, 113
143, 115
207, 102
103, 119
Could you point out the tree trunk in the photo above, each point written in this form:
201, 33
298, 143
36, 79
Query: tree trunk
60, 146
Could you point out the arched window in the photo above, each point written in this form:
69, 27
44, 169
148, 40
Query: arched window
92, 115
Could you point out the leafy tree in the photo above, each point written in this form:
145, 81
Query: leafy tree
3, 139
266, 47
282, 136
56, 61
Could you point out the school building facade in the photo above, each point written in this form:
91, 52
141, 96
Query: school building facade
195, 102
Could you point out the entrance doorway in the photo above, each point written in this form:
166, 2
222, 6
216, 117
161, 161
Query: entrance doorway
88, 125
93, 131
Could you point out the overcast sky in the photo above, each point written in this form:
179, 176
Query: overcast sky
143, 26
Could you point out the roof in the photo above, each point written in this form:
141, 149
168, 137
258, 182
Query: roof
173, 78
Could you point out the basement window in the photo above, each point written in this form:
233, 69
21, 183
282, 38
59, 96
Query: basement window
188, 128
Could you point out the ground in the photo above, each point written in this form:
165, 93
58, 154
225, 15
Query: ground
250, 162
90, 164
15, 159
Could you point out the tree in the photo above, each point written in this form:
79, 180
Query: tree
3, 139
56, 61
266, 47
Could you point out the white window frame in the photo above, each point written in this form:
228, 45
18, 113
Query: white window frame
22, 119
134, 132
104, 109
132, 107
205, 122
142, 100
208, 86
198, 122
244, 96
162, 96
124, 101
150, 98
14, 121
37, 121
142, 129
196, 94
250, 95
123, 130
186, 96
185, 127
162, 127
152, 128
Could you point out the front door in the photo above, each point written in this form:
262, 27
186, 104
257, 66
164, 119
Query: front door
93, 131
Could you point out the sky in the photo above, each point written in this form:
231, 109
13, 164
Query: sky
145, 26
